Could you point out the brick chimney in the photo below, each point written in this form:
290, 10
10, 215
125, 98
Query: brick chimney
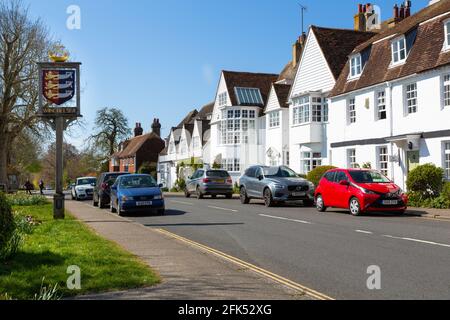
360, 19
138, 131
297, 49
156, 127
400, 13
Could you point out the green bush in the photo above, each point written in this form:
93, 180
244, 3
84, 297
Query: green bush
236, 189
415, 199
22, 227
315, 175
24, 200
446, 190
180, 184
6, 223
426, 180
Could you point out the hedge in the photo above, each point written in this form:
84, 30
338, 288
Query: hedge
315, 175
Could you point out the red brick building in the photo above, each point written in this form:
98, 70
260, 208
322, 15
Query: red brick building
142, 148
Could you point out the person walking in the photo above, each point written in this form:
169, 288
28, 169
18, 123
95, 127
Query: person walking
41, 186
28, 187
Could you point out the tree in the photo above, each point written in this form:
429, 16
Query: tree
112, 128
23, 43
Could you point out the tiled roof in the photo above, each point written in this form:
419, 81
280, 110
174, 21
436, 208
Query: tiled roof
135, 144
205, 111
282, 91
288, 72
262, 81
337, 44
426, 53
189, 119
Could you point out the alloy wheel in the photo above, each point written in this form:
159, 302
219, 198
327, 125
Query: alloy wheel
355, 207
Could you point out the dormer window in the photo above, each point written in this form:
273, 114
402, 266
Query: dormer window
355, 66
447, 35
399, 51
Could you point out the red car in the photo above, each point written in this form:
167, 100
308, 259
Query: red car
360, 191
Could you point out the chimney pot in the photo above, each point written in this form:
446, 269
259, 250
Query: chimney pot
396, 12
360, 9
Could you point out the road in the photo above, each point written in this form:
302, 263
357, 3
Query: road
329, 252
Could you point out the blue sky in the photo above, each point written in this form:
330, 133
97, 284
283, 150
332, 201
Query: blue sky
162, 58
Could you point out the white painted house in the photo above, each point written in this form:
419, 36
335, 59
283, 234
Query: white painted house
324, 55
391, 104
237, 128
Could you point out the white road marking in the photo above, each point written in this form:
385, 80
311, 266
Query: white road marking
419, 241
224, 209
363, 231
181, 202
286, 219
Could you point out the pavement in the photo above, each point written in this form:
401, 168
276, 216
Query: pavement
188, 272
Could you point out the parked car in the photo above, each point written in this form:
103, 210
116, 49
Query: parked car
136, 193
275, 185
84, 188
209, 182
102, 189
359, 191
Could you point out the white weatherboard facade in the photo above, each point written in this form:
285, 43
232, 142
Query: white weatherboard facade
237, 134
410, 139
308, 109
277, 131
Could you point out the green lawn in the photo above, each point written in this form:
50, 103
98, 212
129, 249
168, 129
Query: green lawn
55, 245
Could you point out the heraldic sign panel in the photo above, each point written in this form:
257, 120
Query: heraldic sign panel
59, 85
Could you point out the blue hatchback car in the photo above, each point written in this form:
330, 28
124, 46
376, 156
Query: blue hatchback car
137, 193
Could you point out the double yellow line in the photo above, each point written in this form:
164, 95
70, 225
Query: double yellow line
279, 279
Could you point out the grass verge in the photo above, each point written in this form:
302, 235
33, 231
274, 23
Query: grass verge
55, 245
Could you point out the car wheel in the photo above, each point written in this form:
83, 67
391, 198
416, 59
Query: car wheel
320, 204
229, 196
186, 193
199, 193
73, 198
268, 199
161, 212
94, 203
111, 207
101, 205
243, 196
213, 196
355, 207
119, 210
308, 203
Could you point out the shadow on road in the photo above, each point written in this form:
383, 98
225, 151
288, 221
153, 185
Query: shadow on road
169, 212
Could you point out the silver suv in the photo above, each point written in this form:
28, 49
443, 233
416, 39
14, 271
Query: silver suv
275, 185
209, 182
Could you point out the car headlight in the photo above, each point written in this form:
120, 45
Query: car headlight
368, 191
158, 197
311, 185
280, 186
125, 198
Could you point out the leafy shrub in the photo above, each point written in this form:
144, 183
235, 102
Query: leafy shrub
6, 222
446, 190
174, 190
427, 180
165, 189
24, 200
236, 189
315, 175
416, 199
22, 226
180, 184
146, 168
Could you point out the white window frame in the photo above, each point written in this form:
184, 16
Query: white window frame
239, 127
383, 160
231, 165
351, 159
351, 111
411, 98
446, 90
223, 99
380, 100
310, 160
397, 51
446, 35
355, 66
274, 119
301, 112
446, 159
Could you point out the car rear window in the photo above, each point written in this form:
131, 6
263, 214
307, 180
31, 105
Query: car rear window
220, 174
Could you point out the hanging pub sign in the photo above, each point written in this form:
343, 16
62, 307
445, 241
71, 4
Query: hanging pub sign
59, 86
